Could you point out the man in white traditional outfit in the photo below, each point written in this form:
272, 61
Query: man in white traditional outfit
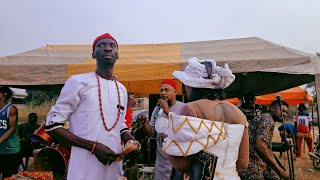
208, 126
167, 103
95, 105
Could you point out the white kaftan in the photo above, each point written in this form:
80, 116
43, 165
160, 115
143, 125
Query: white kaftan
79, 104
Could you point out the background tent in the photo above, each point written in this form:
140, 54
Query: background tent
260, 66
19, 93
293, 96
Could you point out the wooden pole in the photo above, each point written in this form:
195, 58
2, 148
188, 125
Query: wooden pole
312, 120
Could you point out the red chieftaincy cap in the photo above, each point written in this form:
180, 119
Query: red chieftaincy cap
106, 35
170, 82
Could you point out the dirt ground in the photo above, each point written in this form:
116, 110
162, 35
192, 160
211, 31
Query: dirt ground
303, 168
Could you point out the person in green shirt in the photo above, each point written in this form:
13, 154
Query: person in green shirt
9, 139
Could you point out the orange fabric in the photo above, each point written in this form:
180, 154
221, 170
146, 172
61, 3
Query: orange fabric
292, 96
234, 101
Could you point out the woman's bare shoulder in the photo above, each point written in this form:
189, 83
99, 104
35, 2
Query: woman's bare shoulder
185, 110
232, 113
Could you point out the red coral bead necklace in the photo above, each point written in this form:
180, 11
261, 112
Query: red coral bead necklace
100, 104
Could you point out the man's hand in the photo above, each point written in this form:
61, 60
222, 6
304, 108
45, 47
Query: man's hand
163, 135
142, 119
145, 125
131, 102
285, 175
164, 105
104, 154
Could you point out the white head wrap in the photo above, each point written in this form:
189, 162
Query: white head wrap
195, 75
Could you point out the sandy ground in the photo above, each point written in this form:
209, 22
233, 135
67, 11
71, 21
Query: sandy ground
303, 167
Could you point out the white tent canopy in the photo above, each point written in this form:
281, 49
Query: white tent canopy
260, 66
19, 93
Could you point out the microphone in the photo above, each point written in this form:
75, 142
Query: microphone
278, 97
158, 108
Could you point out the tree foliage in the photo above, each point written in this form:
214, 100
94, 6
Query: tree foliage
38, 97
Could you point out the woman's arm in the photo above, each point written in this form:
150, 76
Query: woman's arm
243, 156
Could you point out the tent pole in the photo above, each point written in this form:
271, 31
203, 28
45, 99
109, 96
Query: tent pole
312, 120
317, 83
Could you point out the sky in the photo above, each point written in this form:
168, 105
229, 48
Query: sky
31, 24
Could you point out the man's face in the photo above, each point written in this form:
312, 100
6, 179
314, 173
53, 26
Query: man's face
168, 92
276, 113
2, 95
105, 52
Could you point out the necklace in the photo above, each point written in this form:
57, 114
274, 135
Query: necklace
100, 103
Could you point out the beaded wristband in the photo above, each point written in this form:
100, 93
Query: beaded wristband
94, 147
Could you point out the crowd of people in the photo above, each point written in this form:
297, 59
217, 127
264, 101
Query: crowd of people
205, 138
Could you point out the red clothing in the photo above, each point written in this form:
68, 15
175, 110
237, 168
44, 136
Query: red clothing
128, 117
307, 139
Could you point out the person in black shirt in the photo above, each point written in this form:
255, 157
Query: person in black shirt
26, 131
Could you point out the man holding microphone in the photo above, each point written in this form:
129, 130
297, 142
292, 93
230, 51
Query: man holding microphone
166, 103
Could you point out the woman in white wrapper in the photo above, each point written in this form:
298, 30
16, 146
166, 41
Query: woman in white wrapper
207, 123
